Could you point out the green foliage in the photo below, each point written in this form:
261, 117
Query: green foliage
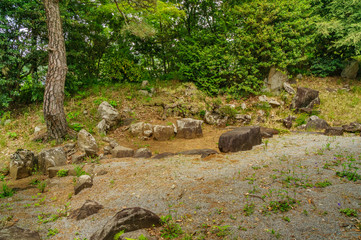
248, 209
323, 184
170, 229
301, 119
118, 235
349, 212
41, 186
52, 232
6, 191
282, 205
221, 231
62, 173
79, 171
76, 126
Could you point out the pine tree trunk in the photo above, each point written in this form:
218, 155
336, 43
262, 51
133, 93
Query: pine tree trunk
53, 107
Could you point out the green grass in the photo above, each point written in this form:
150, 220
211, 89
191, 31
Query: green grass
349, 212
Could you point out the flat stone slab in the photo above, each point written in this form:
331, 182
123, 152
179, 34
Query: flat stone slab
16, 233
122, 152
240, 139
52, 171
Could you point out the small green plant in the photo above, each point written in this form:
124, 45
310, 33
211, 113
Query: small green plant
41, 186
170, 228
221, 231
323, 184
12, 135
305, 212
2, 177
6, 191
349, 212
287, 219
52, 232
34, 182
283, 205
118, 235
301, 119
76, 126
79, 171
113, 103
248, 209
62, 173
274, 233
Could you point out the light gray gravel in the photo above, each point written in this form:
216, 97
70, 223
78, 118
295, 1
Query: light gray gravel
210, 192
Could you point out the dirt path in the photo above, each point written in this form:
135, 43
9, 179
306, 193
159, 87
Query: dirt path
280, 185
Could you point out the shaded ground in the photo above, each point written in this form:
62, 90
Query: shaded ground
281, 185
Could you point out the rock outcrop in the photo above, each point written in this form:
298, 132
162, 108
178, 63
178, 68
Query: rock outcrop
52, 157
22, 163
189, 128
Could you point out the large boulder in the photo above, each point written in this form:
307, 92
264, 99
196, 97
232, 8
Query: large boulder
22, 163
189, 128
305, 98
351, 70
122, 152
89, 208
316, 123
163, 133
108, 113
84, 181
16, 233
240, 139
86, 141
127, 220
51, 158
275, 80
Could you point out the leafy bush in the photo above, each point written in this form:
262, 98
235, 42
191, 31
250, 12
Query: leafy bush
6, 191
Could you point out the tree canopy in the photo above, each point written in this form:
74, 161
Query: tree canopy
223, 45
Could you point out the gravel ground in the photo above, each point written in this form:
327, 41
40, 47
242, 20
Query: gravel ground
207, 197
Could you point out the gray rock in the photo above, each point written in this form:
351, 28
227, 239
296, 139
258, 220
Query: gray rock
84, 181
305, 98
334, 131
352, 127
263, 98
129, 219
287, 122
86, 141
143, 153
288, 88
214, 118
22, 163
145, 83
243, 106
274, 103
37, 129
145, 93
316, 123
163, 133
89, 208
268, 132
103, 127
351, 70
203, 152
113, 144
240, 139
141, 129
245, 119
78, 158
107, 150
299, 76
108, 113
16, 233
189, 128
275, 80
7, 122
52, 157
122, 152
52, 171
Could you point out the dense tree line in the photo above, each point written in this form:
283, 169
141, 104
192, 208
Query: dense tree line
220, 45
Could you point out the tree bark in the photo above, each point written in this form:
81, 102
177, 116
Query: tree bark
53, 107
